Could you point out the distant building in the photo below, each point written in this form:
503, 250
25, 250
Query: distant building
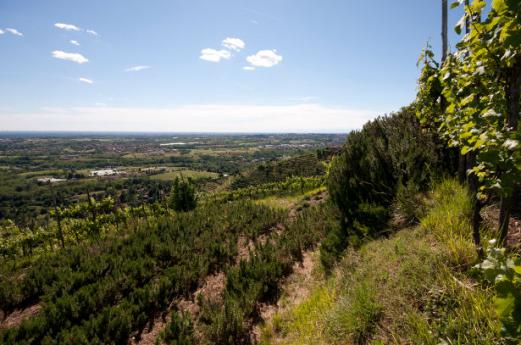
50, 180
104, 172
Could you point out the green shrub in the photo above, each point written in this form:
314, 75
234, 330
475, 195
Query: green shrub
179, 331
332, 247
183, 195
364, 179
226, 325
408, 204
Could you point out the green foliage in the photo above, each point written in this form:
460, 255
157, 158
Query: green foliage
106, 290
407, 288
278, 171
183, 196
332, 247
409, 203
179, 330
358, 316
257, 279
363, 180
226, 324
291, 186
504, 272
480, 86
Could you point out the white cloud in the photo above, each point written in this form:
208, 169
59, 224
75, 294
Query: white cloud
136, 68
67, 27
213, 55
86, 80
92, 32
233, 43
74, 42
264, 58
74, 57
248, 68
2, 32
192, 118
14, 32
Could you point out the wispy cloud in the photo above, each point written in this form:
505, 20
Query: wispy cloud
86, 80
74, 57
194, 118
233, 43
92, 32
265, 58
14, 32
2, 32
213, 55
74, 42
248, 68
136, 68
67, 27
72, 27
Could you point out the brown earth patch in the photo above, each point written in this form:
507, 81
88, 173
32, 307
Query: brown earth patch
491, 218
211, 289
295, 289
16, 317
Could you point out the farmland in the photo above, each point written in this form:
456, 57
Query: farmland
41, 171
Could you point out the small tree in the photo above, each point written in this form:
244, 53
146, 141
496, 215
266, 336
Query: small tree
183, 196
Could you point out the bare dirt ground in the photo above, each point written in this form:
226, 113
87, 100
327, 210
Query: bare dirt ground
491, 215
211, 289
17, 316
295, 289
299, 284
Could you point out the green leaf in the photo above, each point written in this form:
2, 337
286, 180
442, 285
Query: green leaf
455, 4
460, 24
465, 150
517, 269
505, 305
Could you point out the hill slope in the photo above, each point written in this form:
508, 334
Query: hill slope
276, 171
411, 288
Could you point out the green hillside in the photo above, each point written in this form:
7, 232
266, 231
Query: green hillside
304, 166
407, 233
415, 287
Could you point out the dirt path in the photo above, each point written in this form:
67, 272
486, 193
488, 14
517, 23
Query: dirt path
16, 317
299, 284
211, 289
295, 289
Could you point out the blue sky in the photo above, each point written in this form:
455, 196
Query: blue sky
310, 65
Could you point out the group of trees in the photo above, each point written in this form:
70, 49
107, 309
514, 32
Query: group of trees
85, 221
27, 202
308, 165
290, 186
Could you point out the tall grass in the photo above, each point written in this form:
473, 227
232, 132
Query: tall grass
412, 288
